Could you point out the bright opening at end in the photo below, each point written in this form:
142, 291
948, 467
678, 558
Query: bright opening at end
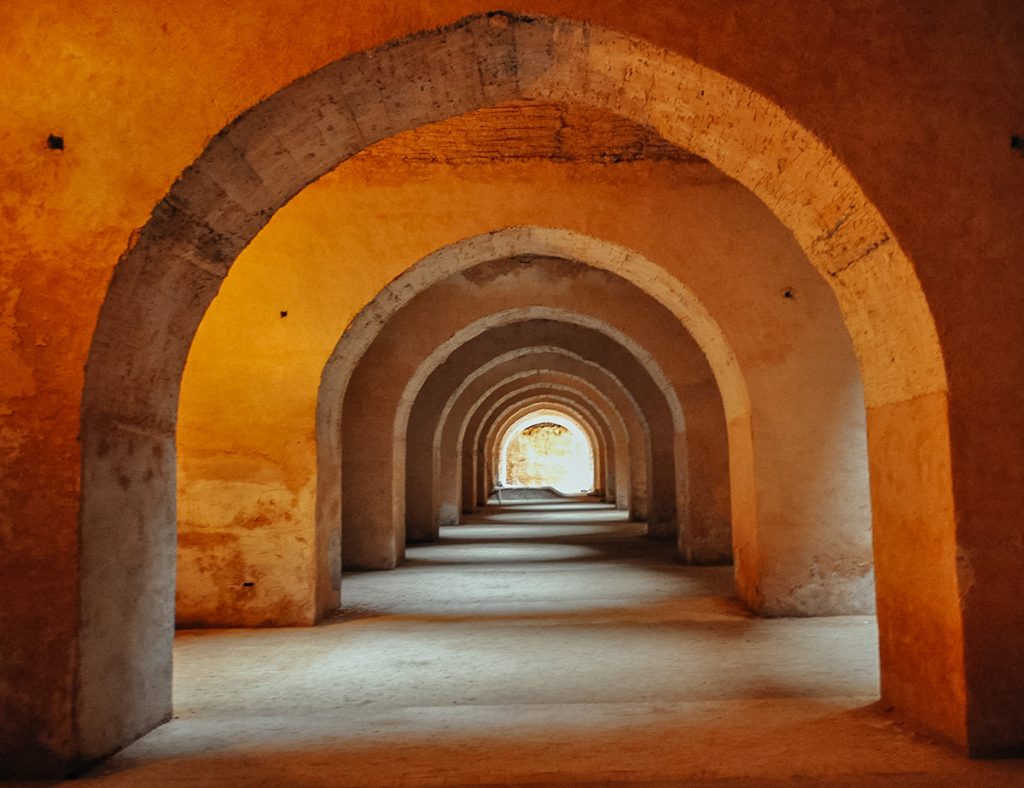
547, 449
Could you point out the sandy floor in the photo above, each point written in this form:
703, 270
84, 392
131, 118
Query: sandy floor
545, 644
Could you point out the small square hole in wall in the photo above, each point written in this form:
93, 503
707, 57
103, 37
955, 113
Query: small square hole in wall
55, 142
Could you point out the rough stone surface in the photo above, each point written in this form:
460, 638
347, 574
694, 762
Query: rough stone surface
530, 130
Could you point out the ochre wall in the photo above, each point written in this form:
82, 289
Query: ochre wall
919, 101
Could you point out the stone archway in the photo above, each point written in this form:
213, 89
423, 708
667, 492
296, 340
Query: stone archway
474, 432
451, 468
594, 407
562, 398
373, 492
514, 368
164, 283
551, 414
788, 476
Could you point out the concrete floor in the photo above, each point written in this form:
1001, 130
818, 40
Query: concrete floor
548, 643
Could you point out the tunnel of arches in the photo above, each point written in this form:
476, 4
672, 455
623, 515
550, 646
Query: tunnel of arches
570, 448
712, 429
548, 369
609, 443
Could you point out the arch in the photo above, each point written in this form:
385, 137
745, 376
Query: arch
453, 467
551, 400
165, 281
662, 491
606, 447
647, 487
373, 324
472, 430
458, 410
448, 470
566, 396
776, 492
563, 417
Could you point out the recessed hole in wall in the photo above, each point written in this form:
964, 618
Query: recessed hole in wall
284, 313
55, 142
788, 293
248, 585
1017, 143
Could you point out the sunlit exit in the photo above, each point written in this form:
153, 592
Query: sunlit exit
547, 448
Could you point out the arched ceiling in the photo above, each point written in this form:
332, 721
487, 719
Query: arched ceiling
529, 131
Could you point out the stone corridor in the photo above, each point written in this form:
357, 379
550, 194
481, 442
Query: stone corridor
542, 643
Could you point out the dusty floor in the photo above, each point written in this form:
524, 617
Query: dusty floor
546, 644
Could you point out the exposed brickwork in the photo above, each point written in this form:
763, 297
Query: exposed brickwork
526, 130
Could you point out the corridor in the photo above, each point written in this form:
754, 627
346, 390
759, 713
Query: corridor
544, 642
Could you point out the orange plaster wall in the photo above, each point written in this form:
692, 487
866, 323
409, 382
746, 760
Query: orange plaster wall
904, 561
